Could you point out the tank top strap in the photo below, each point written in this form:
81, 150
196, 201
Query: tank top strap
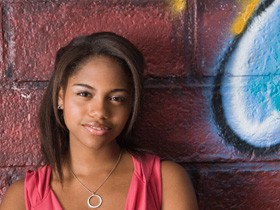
144, 166
37, 190
145, 192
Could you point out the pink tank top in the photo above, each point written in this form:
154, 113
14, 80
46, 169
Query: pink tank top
144, 192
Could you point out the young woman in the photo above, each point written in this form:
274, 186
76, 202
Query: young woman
87, 119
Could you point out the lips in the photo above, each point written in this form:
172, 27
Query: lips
97, 129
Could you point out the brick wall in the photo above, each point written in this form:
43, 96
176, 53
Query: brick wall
212, 100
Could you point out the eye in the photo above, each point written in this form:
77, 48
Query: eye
118, 98
84, 94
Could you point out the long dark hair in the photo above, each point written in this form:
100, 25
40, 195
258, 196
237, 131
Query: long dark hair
53, 131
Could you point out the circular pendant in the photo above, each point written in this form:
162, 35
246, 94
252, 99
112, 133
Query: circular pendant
94, 206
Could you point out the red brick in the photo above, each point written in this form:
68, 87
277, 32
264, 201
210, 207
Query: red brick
39, 28
8, 176
19, 135
214, 19
238, 186
175, 124
1, 45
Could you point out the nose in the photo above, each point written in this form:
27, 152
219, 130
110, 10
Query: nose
98, 108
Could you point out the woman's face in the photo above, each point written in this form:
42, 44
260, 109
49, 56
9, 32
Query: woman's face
96, 103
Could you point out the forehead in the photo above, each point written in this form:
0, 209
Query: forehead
101, 70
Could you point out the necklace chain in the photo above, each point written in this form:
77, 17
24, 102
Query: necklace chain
94, 192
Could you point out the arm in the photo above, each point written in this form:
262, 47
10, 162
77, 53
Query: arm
14, 197
177, 189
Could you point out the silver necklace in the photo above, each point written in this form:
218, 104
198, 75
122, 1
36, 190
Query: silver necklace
93, 193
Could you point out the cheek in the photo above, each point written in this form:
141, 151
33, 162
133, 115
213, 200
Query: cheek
71, 112
126, 114
119, 111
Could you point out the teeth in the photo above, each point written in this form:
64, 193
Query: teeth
98, 128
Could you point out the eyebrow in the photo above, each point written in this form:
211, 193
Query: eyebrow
92, 88
84, 85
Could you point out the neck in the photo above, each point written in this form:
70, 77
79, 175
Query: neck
89, 161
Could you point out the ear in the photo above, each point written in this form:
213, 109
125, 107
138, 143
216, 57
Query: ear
60, 98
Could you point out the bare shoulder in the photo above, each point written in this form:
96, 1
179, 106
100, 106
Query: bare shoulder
177, 189
14, 197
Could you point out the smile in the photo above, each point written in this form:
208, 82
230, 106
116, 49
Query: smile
97, 129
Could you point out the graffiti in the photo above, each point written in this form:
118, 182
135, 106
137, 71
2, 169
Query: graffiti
246, 97
242, 19
177, 6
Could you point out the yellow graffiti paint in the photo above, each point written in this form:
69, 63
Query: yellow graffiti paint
177, 6
240, 22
